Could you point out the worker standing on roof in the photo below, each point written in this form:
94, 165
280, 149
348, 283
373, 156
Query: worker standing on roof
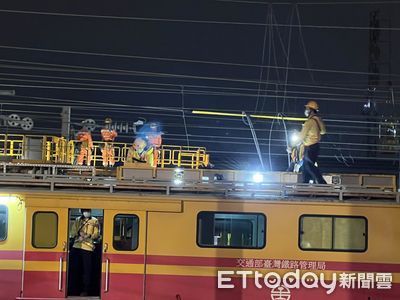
85, 138
108, 135
310, 137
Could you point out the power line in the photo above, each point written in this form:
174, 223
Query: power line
172, 92
75, 69
287, 59
350, 2
191, 60
262, 60
98, 104
313, 3
147, 19
308, 64
157, 84
315, 94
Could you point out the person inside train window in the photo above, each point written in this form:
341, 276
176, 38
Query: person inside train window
84, 231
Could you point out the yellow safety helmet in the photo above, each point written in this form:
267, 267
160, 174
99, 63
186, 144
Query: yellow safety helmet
139, 144
312, 105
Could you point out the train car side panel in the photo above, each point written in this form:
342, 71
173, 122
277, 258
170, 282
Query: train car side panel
45, 252
123, 254
12, 216
179, 267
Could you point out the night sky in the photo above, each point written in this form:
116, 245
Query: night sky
159, 60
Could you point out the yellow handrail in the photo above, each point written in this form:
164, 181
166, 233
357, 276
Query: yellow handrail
55, 149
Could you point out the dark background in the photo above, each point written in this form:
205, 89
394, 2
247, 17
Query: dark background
158, 60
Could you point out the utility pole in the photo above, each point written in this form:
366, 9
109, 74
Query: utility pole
66, 122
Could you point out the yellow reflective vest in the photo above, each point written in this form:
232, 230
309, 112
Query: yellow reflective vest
89, 227
312, 130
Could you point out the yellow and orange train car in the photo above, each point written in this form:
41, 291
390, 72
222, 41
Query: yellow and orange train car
200, 247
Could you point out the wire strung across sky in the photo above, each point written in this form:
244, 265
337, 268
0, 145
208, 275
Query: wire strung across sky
141, 84
381, 2
109, 71
194, 61
50, 84
172, 20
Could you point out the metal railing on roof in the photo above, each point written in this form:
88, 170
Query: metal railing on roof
53, 149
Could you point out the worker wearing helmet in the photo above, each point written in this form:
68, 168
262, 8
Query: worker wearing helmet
84, 231
154, 141
310, 137
108, 135
85, 138
137, 151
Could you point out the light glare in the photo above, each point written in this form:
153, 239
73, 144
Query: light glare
258, 177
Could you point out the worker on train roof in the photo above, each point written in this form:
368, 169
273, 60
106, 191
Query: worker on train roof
108, 135
310, 137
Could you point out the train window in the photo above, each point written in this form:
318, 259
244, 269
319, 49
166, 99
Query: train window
333, 233
126, 232
44, 229
316, 233
350, 234
231, 230
3, 222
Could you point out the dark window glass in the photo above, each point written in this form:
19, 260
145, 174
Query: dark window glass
44, 229
126, 232
231, 230
3, 222
333, 233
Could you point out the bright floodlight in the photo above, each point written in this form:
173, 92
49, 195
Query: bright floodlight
178, 176
294, 138
8, 199
178, 181
258, 177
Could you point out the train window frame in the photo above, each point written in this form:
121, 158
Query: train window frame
137, 235
6, 224
232, 213
33, 231
332, 249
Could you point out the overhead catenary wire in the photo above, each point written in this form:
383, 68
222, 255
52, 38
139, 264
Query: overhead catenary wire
140, 86
381, 2
173, 20
168, 91
247, 120
108, 71
143, 83
303, 44
109, 106
183, 111
190, 60
183, 116
262, 58
287, 60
